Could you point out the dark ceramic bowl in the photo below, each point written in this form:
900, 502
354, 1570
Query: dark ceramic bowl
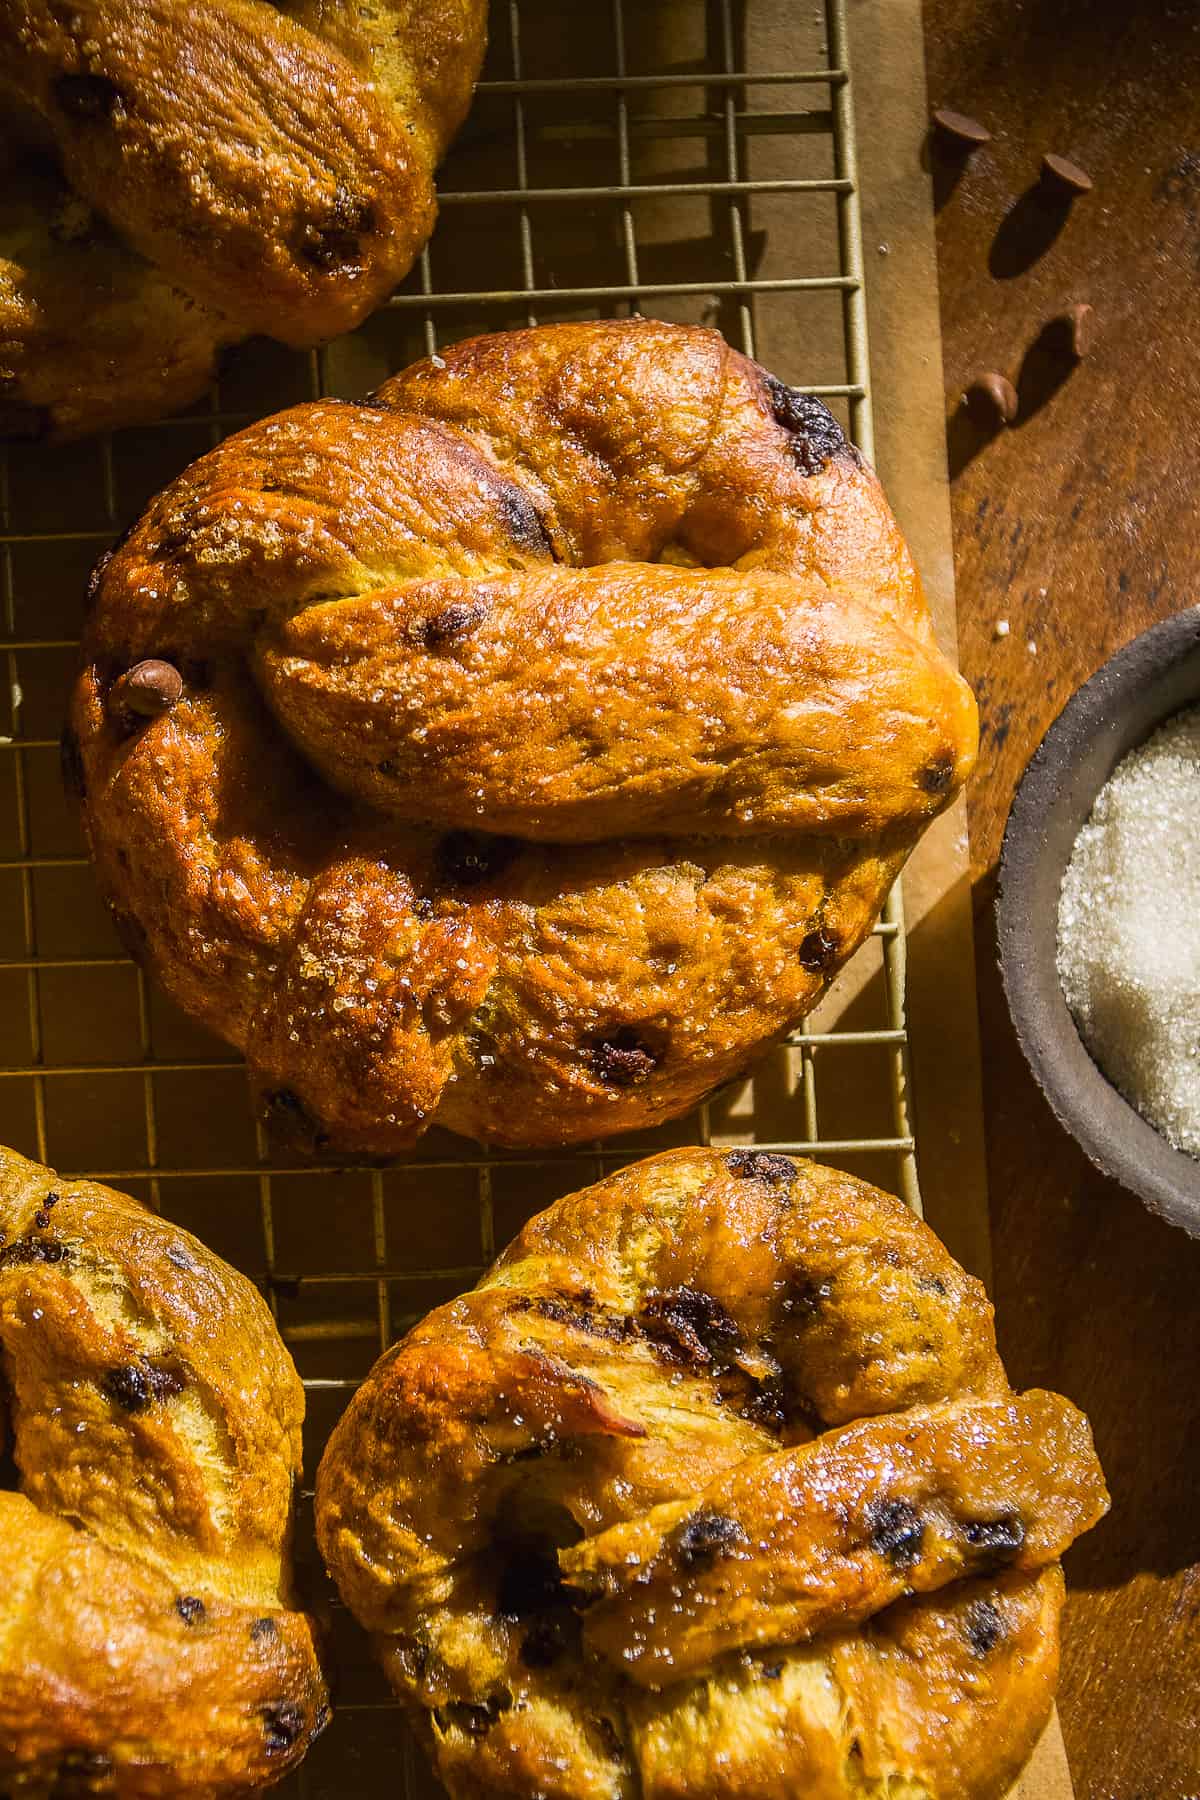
1143, 684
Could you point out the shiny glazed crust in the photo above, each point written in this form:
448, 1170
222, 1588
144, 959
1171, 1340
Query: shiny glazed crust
149, 1444
180, 176
609, 594
714, 1486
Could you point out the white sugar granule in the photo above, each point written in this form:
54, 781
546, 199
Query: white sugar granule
1129, 930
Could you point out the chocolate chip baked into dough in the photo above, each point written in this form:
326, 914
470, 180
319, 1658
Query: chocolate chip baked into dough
520, 751
713, 1489
150, 1420
176, 177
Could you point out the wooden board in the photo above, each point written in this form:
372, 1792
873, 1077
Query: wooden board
1080, 527
901, 269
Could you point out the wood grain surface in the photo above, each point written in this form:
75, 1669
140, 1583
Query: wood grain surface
1079, 526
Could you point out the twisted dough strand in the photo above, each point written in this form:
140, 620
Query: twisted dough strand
150, 1643
578, 589
713, 1485
225, 169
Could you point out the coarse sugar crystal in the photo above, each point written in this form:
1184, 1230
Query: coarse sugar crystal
1129, 930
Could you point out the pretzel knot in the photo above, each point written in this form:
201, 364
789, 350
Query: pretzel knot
149, 1443
714, 1486
549, 731
215, 171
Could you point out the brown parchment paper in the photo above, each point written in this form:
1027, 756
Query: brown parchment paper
901, 271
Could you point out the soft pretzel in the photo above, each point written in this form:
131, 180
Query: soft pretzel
531, 745
183, 176
150, 1644
713, 1487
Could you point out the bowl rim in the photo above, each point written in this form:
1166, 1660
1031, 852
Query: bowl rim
1113, 1134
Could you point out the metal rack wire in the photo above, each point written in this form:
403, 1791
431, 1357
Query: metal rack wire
738, 133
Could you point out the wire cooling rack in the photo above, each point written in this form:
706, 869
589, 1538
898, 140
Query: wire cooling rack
690, 159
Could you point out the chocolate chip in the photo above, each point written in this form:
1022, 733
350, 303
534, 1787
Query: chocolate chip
932, 1284
148, 689
466, 858
695, 1326
475, 1721
818, 951
70, 762
165, 1383
766, 1405
30, 1250
1000, 1538
190, 1608
174, 539
805, 1300
87, 96
983, 1626
530, 1582
772, 1671
761, 1165
705, 1536
135, 1386
332, 241
423, 907
992, 399
897, 1532
524, 523
959, 130
622, 1059
282, 1725
290, 1120
1065, 177
452, 623
937, 774
1072, 332
182, 1259
263, 1628
576, 1315
816, 435
41, 1217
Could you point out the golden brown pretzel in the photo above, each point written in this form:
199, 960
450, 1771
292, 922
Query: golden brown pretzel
714, 1486
213, 171
150, 1644
538, 742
